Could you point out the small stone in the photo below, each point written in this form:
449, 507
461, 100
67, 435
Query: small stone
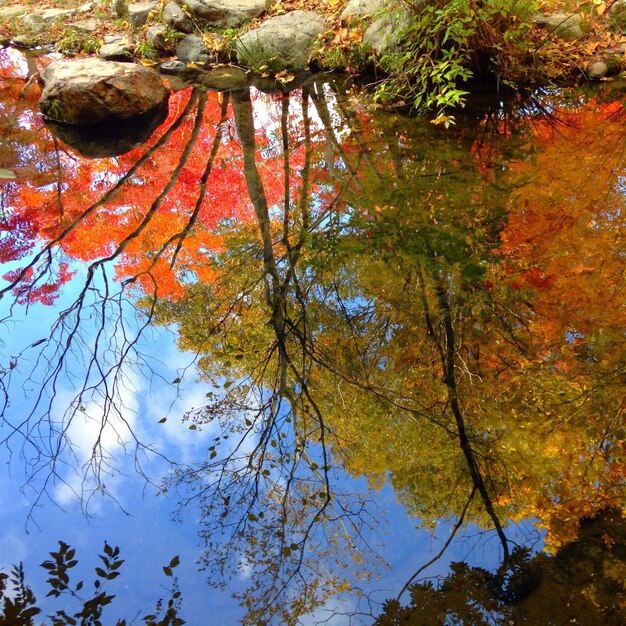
173, 67
116, 49
191, 48
224, 79
88, 25
119, 8
176, 18
598, 70
156, 36
138, 12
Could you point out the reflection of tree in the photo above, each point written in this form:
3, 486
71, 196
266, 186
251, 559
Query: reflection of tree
410, 354
583, 583
316, 358
279, 518
507, 366
100, 219
354, 291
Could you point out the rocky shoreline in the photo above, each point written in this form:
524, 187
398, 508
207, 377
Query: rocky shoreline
194, 36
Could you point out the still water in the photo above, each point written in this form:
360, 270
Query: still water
304, 362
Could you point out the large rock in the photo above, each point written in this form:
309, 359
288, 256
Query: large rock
563, 25
13, 11
138, 12
116, 48
361, 9
225, 13
617, 16
283, 42
386, 33
191, 48
93, 91
157, 36
176, 18
42, 19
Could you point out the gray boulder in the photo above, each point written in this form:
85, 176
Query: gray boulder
617, 16
191, 48
138, 12
42, 19
598, 70
119, 8
173, 67
156, 35
282, 42
563, 25
93, 91
89, 25
116, 48
386, 32
226, 78
225, 13
176, 18
12, 11
361, 9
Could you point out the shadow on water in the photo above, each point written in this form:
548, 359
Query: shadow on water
110, 140
368, 299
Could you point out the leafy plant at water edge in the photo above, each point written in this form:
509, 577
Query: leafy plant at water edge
18, 604
74, 41
256, 59
146, 50
445, 43
56, 110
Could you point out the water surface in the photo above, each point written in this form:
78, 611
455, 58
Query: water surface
316, 353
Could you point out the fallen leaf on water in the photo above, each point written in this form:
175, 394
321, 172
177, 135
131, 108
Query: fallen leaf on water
7, 174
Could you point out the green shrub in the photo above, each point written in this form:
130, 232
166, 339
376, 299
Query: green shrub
447, 42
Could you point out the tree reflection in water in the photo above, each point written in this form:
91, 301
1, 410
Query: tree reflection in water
365, 294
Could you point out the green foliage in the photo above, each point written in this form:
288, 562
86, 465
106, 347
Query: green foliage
18, 603
56, 110
618, 19
443, 45
74, 41
146, 50
256, 59
356, 56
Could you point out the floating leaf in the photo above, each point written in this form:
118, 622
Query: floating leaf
7, 174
